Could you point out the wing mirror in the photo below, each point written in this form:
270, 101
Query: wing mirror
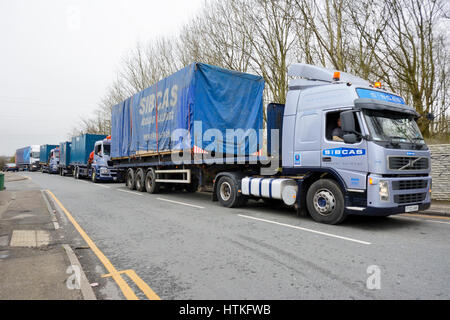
348, 121
350, 138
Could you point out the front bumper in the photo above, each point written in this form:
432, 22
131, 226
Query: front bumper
382, 212
403, 192
110, 175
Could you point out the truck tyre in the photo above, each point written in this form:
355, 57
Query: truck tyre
150, 184
130, 179
140, 180
325, 202
227, 193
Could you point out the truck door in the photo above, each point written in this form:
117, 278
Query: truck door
348, 159
307, 139
97, 153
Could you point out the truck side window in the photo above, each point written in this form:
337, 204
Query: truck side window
332, 123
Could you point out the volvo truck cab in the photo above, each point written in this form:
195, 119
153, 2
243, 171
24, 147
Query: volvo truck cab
381, 166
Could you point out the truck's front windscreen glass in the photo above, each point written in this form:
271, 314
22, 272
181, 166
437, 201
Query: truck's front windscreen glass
107, 149
35, 155
56, 154
393, 126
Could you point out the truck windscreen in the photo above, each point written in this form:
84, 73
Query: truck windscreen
107, 149
393, 126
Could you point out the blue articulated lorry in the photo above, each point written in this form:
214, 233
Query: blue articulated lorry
338, 146
100, 168
49, 158
22, 158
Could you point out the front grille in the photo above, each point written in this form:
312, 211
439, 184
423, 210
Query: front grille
408, 163
409, 198
409, 184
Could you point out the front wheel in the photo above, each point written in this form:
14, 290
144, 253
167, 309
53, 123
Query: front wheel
94, 176
325, 202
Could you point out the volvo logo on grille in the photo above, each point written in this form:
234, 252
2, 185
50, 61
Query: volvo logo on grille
411, 163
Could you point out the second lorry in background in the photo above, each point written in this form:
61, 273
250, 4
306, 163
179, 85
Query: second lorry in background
100, 169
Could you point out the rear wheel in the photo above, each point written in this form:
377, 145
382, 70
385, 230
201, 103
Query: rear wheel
140, 180
150, 184
130, 179
325, 202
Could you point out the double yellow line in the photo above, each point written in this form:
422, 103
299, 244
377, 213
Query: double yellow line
112, 271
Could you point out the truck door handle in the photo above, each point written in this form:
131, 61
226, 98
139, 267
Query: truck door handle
326, 159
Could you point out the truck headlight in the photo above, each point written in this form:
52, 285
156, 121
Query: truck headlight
103, 170
384, 190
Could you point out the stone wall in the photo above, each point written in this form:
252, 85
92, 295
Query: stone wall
440, 171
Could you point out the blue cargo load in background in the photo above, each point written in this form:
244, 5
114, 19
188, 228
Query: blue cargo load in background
23, 156
64, 153
82, 146
217, 98
44, 153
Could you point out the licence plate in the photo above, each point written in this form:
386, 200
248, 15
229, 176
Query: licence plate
412, 208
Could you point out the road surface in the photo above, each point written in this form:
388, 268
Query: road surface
184, 246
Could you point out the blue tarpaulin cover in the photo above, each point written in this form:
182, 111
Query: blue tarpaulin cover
23, 155
196, 98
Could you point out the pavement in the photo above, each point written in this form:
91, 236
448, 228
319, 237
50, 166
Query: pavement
35, 263
176, 245
439, 208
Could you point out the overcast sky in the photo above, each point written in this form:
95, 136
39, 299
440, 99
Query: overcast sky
58, 57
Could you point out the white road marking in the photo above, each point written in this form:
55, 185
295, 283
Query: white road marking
139, 194
305, 229
101, 185
182, 203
